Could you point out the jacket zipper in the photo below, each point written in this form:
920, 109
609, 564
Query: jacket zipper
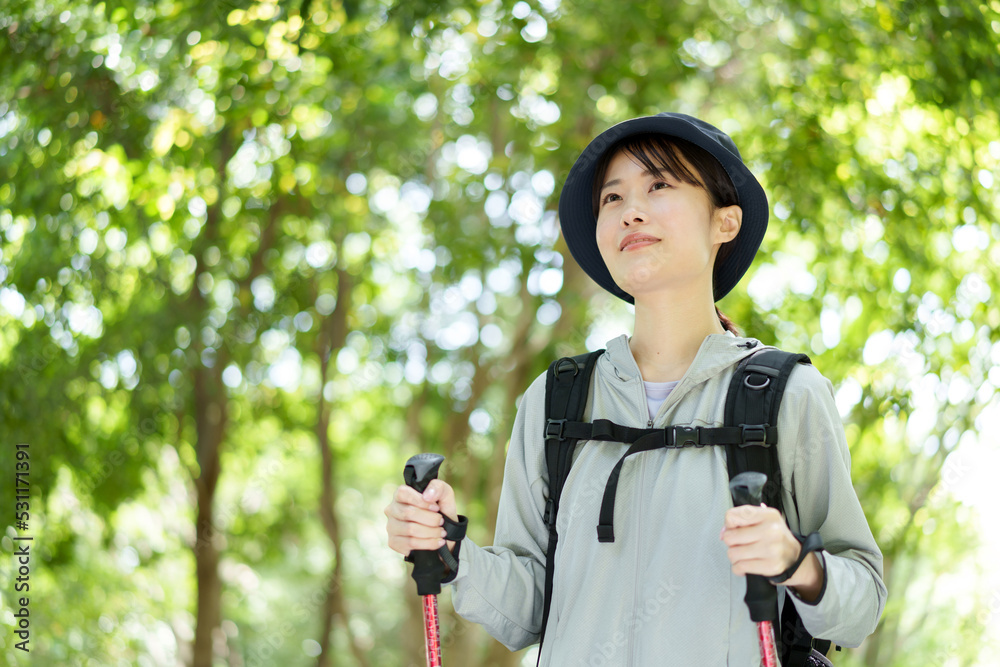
637, 513
636, 584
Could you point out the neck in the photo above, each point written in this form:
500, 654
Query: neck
669, 330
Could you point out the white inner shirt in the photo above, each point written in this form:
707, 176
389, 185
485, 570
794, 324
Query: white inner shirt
656, 393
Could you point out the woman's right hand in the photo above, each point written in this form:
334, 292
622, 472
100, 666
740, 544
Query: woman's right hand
413, 520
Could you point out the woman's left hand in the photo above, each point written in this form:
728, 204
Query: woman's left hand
759, 542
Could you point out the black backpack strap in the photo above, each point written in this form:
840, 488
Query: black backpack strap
671, 437
796, 644
754, 399
752, 403
567, 386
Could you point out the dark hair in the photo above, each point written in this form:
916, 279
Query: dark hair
659, 154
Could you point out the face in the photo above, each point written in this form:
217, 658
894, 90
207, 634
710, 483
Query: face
656, 232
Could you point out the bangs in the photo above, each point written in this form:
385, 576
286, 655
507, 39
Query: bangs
659, 157
664, 155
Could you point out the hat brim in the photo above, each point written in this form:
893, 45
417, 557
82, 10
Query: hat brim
576, 213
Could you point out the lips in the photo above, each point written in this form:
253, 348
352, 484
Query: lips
636, 240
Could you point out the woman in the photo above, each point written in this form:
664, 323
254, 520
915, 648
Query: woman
662, 212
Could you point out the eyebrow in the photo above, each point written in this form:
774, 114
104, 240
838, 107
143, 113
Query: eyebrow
617, 181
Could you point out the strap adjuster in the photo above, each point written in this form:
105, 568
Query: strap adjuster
753, 435
686, 436
554, 429
562, 366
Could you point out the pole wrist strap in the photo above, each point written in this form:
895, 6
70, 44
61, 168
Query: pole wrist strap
454, 531
810, 543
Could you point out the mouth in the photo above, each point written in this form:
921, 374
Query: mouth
637, 241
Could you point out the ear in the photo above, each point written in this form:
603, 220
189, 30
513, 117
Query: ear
728, 221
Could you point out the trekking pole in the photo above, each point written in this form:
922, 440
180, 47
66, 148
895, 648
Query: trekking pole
761, 597
428, 569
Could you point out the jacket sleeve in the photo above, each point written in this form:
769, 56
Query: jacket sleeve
820, 497
501, 587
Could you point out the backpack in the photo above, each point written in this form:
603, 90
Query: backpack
749, 435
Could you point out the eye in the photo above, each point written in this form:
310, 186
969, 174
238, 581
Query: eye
660, 185
610, 197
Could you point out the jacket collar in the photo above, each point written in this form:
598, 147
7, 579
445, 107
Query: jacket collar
717, 353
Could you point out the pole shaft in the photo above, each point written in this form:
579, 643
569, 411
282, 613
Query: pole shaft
768, 651
432, 637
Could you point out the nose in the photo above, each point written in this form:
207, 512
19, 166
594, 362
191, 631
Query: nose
633, 215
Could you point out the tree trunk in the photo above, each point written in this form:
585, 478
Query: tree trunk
567, 333
332, 335
464, 640
210, 413
412, 640
210, 423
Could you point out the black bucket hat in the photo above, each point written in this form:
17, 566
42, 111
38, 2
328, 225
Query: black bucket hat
576, 213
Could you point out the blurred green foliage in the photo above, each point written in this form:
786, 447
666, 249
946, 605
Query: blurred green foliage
256, 254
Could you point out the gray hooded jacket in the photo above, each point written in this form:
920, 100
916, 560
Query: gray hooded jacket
663, 592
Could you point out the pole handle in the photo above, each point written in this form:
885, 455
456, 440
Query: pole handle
428, 569
747, 488
761, 597
420, 469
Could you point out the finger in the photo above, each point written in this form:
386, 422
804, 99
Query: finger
440, 493
744, 535
749, 515
770, 554
746, 552
406, 536
414, 514
410, 496
404, 545
754, 566
744, 515
409, 529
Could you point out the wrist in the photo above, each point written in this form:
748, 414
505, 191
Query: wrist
807, 582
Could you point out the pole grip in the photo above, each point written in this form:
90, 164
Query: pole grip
428, 569
761, 598
420, 469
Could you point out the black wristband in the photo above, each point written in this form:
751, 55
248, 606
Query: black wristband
455, 530
810, 543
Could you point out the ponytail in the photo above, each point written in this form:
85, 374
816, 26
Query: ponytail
727, 323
